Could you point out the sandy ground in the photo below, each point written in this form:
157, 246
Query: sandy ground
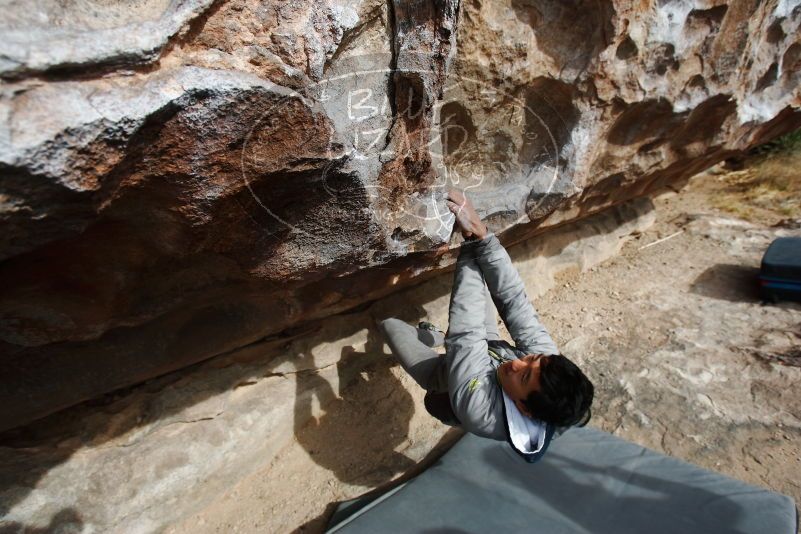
685, 358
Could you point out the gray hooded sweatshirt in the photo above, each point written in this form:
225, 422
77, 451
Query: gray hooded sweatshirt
475, 394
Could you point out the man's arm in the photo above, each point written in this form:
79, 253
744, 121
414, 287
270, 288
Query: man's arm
509, 294
465, 341
472, 392
503, 280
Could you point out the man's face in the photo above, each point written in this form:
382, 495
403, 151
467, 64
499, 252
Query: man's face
521, 377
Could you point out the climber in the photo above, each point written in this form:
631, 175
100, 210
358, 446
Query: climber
522, 393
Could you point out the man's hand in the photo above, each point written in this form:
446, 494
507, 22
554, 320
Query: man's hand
466, 217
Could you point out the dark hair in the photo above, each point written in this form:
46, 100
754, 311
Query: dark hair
565, 393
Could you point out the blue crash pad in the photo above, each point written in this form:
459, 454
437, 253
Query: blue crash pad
588, 482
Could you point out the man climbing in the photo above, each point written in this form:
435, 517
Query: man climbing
522, 394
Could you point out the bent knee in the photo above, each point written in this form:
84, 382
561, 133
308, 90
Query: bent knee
391, 325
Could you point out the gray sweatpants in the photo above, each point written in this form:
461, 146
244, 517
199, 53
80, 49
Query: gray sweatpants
414, 348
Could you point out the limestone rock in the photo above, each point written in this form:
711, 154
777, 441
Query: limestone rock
141, 460
180, 179
52, 36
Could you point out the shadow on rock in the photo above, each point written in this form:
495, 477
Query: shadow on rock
735, 283
66, 521
375, 400
357, 435
323, 521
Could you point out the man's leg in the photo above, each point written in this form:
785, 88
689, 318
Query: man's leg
424, 364
430, 335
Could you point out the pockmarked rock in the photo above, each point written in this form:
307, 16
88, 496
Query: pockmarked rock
52, 36
182, 179
144, 459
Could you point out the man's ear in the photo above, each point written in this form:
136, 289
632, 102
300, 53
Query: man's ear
522, 407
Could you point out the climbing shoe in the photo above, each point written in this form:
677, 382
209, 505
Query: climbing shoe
425, 325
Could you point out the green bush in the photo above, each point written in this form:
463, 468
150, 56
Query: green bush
787, 143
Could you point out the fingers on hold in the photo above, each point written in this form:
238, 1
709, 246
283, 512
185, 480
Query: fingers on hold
455, 195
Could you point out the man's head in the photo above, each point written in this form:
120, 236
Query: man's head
550, 388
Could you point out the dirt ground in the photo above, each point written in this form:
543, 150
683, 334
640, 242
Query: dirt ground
685, 357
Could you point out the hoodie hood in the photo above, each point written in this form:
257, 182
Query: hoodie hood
526, 434
528, 437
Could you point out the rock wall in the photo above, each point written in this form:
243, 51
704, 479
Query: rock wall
179, 179
145, 459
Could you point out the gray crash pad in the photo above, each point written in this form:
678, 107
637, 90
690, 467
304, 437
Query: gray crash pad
588, 482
